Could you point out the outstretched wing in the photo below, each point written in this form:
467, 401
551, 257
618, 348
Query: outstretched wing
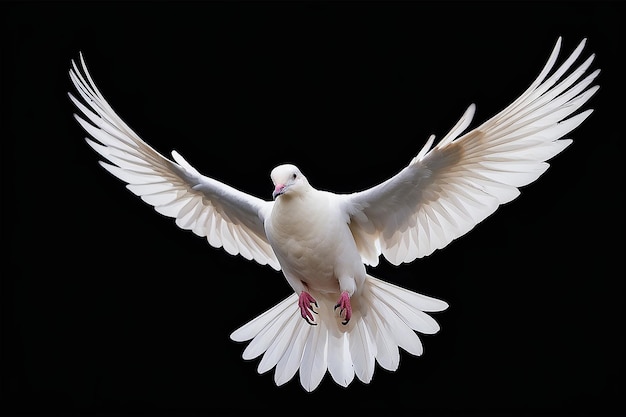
225, 216
445, 191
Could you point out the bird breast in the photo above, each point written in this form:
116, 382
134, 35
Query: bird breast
312, 241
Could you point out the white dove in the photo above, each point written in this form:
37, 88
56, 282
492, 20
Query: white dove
340, 318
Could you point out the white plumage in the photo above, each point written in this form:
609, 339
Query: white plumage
340, 319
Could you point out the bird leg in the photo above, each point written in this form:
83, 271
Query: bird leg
346, 309
304, 302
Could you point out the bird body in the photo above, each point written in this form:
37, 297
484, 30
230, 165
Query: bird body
341, 319
312, 240
309, 231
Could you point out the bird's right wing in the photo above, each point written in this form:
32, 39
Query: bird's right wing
227, 217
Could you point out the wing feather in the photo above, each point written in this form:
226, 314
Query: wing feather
227, 217
449, 188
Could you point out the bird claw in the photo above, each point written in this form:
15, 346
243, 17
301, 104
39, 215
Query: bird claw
346, 308
304, 303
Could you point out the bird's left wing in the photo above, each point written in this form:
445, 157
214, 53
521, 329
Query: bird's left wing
445, 191
227, 217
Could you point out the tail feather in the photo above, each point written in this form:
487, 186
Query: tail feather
385, 318
268, 336
280, 345
417, 301
339, 358
253, 327
314, 357
289, 363
363, 351
388, 355
403, 335
415, 319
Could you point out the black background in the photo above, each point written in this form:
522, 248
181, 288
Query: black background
108, 307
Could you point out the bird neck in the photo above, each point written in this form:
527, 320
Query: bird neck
299, 207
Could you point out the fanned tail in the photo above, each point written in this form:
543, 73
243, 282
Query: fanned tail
384, 318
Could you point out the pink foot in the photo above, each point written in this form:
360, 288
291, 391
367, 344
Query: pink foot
304, 302
345, 308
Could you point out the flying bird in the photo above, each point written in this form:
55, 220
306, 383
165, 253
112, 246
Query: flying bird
340, 318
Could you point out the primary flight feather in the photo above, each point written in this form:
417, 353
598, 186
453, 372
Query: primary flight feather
340, 319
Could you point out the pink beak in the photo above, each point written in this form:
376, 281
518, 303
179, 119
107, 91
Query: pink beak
278, 190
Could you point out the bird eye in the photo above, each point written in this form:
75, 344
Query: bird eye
293, 177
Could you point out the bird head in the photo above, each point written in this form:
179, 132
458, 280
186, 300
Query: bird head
288, 179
